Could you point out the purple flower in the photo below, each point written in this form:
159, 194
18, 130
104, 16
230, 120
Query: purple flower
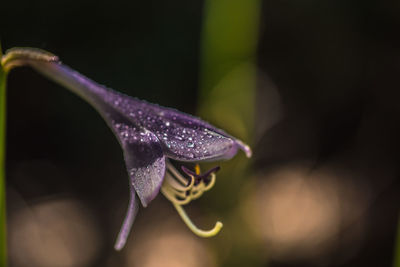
150, 135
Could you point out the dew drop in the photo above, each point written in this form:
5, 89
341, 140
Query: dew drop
190, 144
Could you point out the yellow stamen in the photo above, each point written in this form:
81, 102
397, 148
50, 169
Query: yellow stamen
177, 185
176, 174
172, 197
198, 192
197, 231
176, 190
211, 183
176, 193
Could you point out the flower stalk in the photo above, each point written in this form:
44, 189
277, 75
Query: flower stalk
3, 228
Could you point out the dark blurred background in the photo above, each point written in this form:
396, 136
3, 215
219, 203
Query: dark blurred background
322, 188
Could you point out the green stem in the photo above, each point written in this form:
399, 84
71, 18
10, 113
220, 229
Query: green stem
3, 230
227, 98
228, 67
396, 262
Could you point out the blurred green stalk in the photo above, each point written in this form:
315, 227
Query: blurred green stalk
3, 231
228, 70
228, 82
396, 262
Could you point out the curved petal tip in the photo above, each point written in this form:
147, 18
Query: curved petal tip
246, 149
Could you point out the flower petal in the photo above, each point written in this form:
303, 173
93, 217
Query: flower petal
143, 151
128, 221
143, 155
183, 137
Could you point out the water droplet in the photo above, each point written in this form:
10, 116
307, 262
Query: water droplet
190, 144
167, 123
